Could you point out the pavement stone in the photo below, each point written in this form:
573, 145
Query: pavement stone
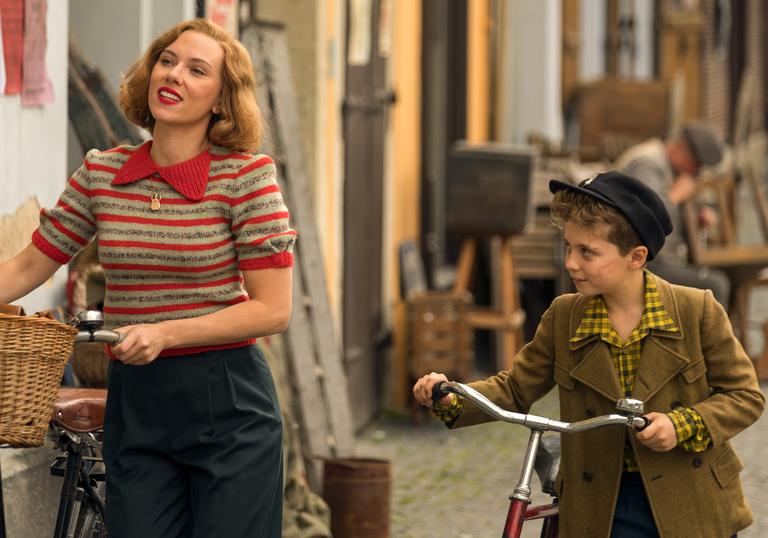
456, 483
30, 493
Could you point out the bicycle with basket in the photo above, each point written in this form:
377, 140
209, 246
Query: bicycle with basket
33, 353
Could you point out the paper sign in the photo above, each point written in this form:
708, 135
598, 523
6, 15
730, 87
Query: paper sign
223, 13
12, 27
359, 42
385, 28
36, 86
16, 229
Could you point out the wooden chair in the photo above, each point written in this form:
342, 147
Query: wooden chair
745, 264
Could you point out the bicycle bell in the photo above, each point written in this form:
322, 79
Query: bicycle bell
630, 407
89, 320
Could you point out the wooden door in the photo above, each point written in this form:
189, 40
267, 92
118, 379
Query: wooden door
679, 56
365, 113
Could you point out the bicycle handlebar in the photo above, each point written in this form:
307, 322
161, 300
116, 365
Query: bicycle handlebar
108, 337
534, 422
90, 323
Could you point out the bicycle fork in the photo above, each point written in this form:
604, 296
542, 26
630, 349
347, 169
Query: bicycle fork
521, 497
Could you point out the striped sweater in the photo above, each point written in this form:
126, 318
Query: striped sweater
172, 240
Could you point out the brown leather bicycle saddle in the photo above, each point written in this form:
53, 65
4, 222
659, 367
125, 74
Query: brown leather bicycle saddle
80, 410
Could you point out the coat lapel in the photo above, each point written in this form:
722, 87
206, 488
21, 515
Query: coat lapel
658, 364
659, 361
596, 371
595, 366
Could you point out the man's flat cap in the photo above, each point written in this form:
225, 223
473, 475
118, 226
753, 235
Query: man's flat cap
705, 144
642, 207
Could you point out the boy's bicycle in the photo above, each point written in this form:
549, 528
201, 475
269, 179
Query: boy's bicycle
77, 421
542, 454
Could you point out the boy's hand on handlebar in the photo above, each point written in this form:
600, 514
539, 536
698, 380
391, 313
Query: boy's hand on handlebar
659, 435
422, 390
140, 345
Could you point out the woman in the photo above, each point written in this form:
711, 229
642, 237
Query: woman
195, 243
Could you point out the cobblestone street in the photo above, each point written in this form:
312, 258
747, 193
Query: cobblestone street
456, 483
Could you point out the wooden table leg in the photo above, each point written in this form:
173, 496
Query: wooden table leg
465, 266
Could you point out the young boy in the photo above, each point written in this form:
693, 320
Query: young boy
627, 332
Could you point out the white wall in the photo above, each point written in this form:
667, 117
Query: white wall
530, 81
113, 33
592, 58
644, 34
34, 157
33, 146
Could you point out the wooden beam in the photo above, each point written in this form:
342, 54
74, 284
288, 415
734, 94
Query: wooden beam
571, 49
478, 71
612, 37
314, 354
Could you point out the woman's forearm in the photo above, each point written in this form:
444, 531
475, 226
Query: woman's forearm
25, 272
242, 321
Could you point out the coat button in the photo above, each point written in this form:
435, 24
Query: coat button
675, 405
697, 461
590, 412
587, 475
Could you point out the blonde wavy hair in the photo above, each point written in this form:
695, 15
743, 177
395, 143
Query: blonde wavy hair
239, 124
587, 211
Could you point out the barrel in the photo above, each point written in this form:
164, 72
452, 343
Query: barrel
357, 491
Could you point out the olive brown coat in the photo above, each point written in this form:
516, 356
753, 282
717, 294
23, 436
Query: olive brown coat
702, 366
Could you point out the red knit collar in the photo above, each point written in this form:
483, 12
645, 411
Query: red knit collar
188, 178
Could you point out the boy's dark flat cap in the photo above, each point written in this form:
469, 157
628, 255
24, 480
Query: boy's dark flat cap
642, 207
705, 144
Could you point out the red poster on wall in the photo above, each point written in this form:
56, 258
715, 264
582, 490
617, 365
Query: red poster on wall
223, 13
36, 86
12, 20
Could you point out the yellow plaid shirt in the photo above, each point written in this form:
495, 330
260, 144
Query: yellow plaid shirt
692, 434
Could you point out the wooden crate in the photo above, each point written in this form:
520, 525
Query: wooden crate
440, 338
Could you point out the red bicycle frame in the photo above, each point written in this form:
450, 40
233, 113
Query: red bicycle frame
519, 510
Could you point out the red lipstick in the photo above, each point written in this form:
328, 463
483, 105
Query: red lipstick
168, 96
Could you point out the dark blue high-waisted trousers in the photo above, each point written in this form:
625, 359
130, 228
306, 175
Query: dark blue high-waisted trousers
193, 448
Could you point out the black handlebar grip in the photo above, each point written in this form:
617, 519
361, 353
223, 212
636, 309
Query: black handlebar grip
437, 391
120, 338
645, 424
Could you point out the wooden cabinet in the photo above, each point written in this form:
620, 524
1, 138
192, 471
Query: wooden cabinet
616, 113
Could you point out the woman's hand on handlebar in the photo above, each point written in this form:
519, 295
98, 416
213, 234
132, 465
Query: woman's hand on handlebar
422, 390
141, 344
659, 435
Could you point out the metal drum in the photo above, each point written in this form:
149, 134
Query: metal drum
358, 492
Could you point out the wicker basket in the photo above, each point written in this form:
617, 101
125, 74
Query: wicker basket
33, 353
89, 364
